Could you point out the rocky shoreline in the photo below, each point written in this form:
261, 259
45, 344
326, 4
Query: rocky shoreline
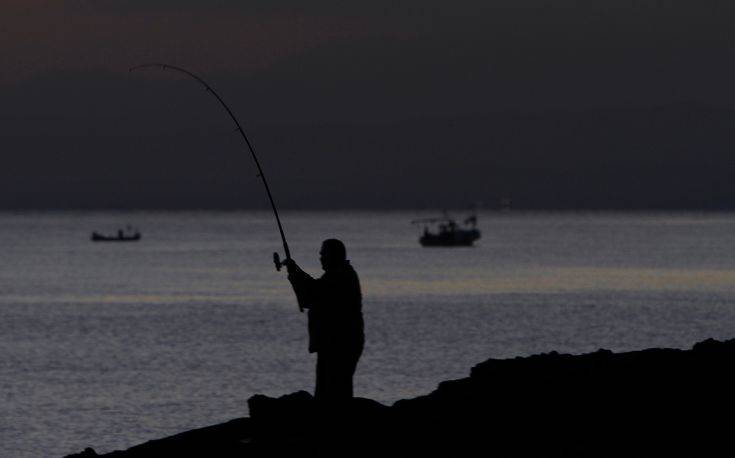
649, 402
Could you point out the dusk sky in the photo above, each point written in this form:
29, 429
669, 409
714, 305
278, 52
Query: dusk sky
420, 104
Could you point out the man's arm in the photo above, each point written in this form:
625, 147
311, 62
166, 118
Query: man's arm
303, 284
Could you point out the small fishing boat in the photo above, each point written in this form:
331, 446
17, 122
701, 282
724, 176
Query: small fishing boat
121, 236
448, 232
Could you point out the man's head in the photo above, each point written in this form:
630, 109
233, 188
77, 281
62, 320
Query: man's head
333, 254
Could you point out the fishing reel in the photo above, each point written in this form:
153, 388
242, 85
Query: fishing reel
277, 261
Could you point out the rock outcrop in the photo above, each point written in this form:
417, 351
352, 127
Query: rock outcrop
649, 402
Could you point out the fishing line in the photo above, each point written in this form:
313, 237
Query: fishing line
276, 258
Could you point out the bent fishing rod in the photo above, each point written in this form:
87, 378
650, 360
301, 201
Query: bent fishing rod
276, 257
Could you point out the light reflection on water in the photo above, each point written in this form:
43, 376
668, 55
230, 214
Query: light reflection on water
565, 279
108, 345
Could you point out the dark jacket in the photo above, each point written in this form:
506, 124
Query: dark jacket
334, 302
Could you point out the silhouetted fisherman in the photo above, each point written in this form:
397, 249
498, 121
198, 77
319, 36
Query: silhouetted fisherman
336, 329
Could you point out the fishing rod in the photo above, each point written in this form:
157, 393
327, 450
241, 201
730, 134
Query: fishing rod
276, 258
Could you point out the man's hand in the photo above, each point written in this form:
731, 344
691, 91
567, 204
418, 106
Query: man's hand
290, 264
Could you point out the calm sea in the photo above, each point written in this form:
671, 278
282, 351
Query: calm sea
108, 345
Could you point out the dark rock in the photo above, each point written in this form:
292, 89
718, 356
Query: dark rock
230, 439
297, 423
649, 402
87, 453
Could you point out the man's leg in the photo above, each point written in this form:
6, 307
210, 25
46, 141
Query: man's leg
344, 373
321, 388
334, 373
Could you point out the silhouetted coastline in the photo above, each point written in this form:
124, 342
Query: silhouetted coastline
655, 401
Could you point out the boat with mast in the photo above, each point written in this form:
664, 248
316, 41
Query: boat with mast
447, 232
